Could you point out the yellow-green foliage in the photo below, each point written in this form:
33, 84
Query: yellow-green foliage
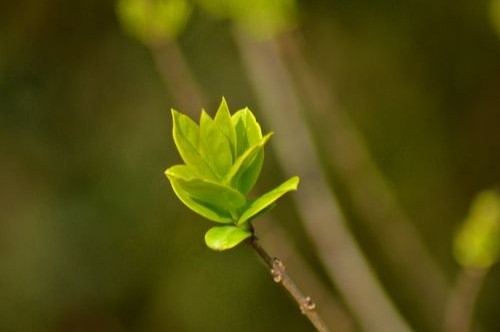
222, 159
150, 20
477, 243
495, 15
260, 18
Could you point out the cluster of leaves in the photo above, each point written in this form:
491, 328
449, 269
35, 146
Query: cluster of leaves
222, 158
477, 243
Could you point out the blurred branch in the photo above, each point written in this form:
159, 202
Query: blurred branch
476, 248
177, 76
316, 202
276, 240
158, 24
372, 194
306, 304
460, 309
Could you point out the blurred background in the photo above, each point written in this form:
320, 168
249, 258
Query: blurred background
389, 112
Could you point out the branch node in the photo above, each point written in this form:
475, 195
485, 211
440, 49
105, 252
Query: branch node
278, 270
307, 305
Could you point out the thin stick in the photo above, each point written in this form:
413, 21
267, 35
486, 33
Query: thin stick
177, 76
316, 202
306, 304
460, 309
332, 311
347, 154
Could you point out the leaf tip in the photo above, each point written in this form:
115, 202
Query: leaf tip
268, 136
169, 175
223, 109
295, 180
204, 116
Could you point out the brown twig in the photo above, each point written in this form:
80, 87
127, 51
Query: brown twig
177, 76
278, 242
460, 309
316, 202
306, 304
348, 156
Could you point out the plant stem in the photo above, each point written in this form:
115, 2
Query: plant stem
316, 202
347, 155
460, 310
332, 311
177, 76
306, 304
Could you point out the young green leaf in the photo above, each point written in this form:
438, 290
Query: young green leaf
220, 196
207, 193
186, 135
214, 146
223, 121
209, 212
225, 237
248, 131
246, 178
259, 204
245, 165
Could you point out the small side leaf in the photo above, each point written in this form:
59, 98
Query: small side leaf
259, 204
225, 237
201, 195
215, 194
209, 212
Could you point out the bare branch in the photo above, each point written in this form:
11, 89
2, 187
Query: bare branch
306, 304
